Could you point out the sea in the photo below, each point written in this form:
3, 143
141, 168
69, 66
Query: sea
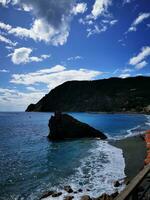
31, 165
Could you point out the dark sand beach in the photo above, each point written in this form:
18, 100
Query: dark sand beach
134, 151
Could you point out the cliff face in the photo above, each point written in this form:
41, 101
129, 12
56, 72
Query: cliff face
107, 95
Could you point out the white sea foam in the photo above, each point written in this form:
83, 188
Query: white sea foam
98, 172
131, 132
148, 120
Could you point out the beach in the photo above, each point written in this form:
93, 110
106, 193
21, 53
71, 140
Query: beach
134, 152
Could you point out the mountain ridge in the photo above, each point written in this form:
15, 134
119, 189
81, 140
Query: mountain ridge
105, 95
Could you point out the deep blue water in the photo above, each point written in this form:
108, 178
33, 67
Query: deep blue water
30, 164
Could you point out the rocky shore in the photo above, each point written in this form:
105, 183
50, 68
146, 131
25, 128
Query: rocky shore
134, 151
70, 193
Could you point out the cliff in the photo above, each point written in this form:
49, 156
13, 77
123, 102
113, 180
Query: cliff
106, 95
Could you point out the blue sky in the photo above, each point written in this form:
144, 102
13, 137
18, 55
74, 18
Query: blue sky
44, 43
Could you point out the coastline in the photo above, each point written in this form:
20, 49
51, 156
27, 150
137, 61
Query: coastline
94, 112
134, 152
121, 112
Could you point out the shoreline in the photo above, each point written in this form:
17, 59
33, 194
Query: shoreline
134, 153
123, 112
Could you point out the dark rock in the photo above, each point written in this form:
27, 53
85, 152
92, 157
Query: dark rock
56, 194
86, 197
105, 197
68, 197
116, 184
47, 194
114, 195
80, 190
68, 189
64, 126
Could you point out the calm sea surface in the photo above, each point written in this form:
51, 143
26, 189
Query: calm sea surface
31, 165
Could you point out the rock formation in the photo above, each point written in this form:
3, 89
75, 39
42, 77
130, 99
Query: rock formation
64, 126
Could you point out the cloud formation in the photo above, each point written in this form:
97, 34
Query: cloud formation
4, 71
139, 60
141, 65
51, 20
22, 56
4, 2
7, 41
92, 22
75, 58
138, 20
79, 8
100, 7
12, 99
54, 76
124, 75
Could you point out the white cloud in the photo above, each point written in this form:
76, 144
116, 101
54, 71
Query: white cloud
112, 22
22, 56
42, 31
79, 8
99, 10
74, 58
141, 65
96, 30
5, 27
51, 20
123, 72
100, 7
44, 56
4, 2
138, 60
12, 99
126, 70
124, 75
4, 71
138, 20
54, 76
7, 41
10, 48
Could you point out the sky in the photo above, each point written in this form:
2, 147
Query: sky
44, 43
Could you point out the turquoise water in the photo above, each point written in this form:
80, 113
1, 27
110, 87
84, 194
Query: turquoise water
31, 165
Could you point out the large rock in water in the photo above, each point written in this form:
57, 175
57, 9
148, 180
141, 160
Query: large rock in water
64, 126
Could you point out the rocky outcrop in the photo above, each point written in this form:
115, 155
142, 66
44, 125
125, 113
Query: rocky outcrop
53, 194
106, 95
68, 189
64, 126
86, 197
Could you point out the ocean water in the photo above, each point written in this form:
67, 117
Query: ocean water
30, 164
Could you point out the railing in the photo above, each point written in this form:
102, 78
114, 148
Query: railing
132, 190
